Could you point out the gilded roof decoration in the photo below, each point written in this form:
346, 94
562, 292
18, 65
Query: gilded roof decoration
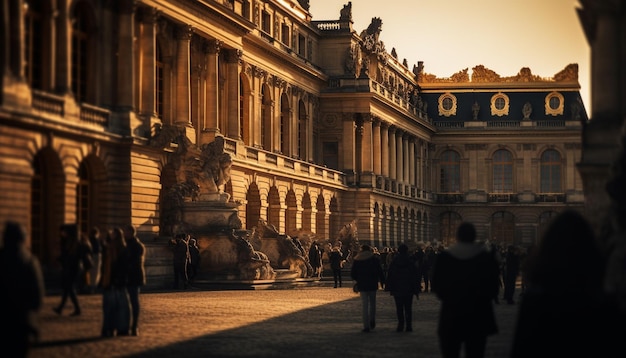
482, 74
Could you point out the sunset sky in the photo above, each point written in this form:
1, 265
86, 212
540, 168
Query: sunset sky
451, 35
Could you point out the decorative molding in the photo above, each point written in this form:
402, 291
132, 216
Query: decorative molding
499, 104
552, 107
447, 104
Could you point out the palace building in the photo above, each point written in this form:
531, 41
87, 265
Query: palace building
325, 125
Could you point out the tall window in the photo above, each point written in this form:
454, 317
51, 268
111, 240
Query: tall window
83, 198
302, 142
284, 34
284, 125
266, 120
450, 172
502, 228
266, 22
448, 223
550, 172
245, 9
502, 171
301, 45
80, 52
34, 51
159, 81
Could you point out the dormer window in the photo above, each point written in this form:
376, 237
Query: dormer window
499, 104
447, 105
554, 104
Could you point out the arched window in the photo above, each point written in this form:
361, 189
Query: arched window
550, 172
448, 223
81, 52
502, 171
502, 228
450, 172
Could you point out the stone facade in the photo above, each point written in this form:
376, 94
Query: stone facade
324, 126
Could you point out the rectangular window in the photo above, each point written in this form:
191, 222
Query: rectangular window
330, 154
266, 22
301, 45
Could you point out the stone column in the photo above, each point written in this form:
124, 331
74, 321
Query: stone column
399, 157
367, 176
376, 147
393, 174
405, 155
384, 150
125, 58
366, 145
147, 39
349, 145
233, 58
63, 55
182, 117
210, 127
412, 174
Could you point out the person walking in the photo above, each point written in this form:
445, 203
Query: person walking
511, 272
465, 279
565, 312
85, 252
336, 264
315, 259
136, 273
180, 249
21, 292
402, 283
115, 301
194, 259
96, 247
70, 267
368, 273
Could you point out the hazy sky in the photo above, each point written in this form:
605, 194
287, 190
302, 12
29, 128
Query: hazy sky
451, 35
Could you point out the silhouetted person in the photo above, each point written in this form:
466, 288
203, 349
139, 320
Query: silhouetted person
194, 259
180, 260
465, 279
403, 282
315, 259
336, 264
96, 247
368, 273
511, 272
70, 267
136, 273
114, 281
564, 311
21, 292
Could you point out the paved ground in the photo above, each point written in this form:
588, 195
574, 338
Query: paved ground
313, 321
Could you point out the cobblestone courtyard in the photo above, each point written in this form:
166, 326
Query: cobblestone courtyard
316, 321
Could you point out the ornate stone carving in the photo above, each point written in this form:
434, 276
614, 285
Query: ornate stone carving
482, 74
569, 73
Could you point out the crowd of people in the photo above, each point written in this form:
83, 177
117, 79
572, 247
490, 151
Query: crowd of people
563, 309
561, 298
111, 264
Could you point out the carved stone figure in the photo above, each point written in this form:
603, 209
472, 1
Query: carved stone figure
527, 110
346, 12
475, 110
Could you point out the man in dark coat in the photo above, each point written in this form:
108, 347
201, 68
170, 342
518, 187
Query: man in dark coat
403, 282
368, 273
21, 292
136, 272
465, 279
336, 264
